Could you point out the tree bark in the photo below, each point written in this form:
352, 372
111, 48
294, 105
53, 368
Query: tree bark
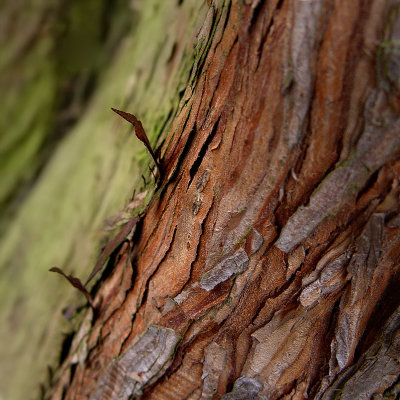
267, 264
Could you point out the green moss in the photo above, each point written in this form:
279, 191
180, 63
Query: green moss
346, 161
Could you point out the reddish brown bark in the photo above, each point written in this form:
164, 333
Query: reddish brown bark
267, 265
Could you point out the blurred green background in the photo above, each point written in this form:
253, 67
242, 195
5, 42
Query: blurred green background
66, 161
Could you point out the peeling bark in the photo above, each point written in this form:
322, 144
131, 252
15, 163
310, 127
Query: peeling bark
267, 265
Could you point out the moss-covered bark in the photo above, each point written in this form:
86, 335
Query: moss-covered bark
67, 162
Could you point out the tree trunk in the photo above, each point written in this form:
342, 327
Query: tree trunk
267, 264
